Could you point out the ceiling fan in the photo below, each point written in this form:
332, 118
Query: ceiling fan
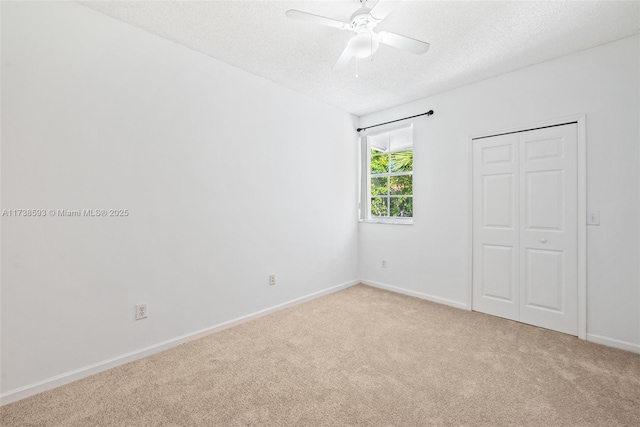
366, 41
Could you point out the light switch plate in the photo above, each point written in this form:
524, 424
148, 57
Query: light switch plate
593, 217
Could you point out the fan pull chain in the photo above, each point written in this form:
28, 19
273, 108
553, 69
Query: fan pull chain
356, 68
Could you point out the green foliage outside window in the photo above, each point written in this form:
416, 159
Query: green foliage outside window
379, 162
391, 193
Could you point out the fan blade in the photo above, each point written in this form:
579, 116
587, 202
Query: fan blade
304, 16
404, 43
343, 60
382, 9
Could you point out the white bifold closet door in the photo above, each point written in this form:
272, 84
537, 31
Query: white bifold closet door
525, 228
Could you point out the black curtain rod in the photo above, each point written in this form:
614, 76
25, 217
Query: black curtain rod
428, 113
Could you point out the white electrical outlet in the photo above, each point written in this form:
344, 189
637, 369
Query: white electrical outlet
593, 217
384, 263
272, 279
141, 311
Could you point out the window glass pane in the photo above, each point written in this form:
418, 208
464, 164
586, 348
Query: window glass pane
390, 153
379, 186
380, 164
402, 206
379, 206
402, 161
400, 185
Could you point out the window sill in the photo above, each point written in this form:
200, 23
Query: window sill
388, 221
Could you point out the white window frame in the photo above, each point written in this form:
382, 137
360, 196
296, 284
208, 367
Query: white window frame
365, 185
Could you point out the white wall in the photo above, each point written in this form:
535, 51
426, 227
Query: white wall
431, 256
227, 176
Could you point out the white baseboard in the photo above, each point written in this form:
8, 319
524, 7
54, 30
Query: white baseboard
420, 295
612, 342
86, 371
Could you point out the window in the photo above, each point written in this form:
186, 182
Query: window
389, 176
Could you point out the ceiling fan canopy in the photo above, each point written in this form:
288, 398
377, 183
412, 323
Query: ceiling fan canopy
366, 41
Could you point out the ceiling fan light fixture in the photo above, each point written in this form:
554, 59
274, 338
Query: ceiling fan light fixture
363, 45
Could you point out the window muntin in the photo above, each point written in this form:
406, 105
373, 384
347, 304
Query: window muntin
390, 175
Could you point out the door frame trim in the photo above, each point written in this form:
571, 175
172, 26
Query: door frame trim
581, 121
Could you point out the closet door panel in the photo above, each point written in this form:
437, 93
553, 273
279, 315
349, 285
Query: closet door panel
549, 229
495, 238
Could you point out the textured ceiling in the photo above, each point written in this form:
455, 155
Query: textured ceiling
470, 41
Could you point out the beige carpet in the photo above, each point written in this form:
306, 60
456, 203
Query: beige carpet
361, 356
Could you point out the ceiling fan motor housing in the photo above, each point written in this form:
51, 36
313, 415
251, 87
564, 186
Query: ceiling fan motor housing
360, 20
